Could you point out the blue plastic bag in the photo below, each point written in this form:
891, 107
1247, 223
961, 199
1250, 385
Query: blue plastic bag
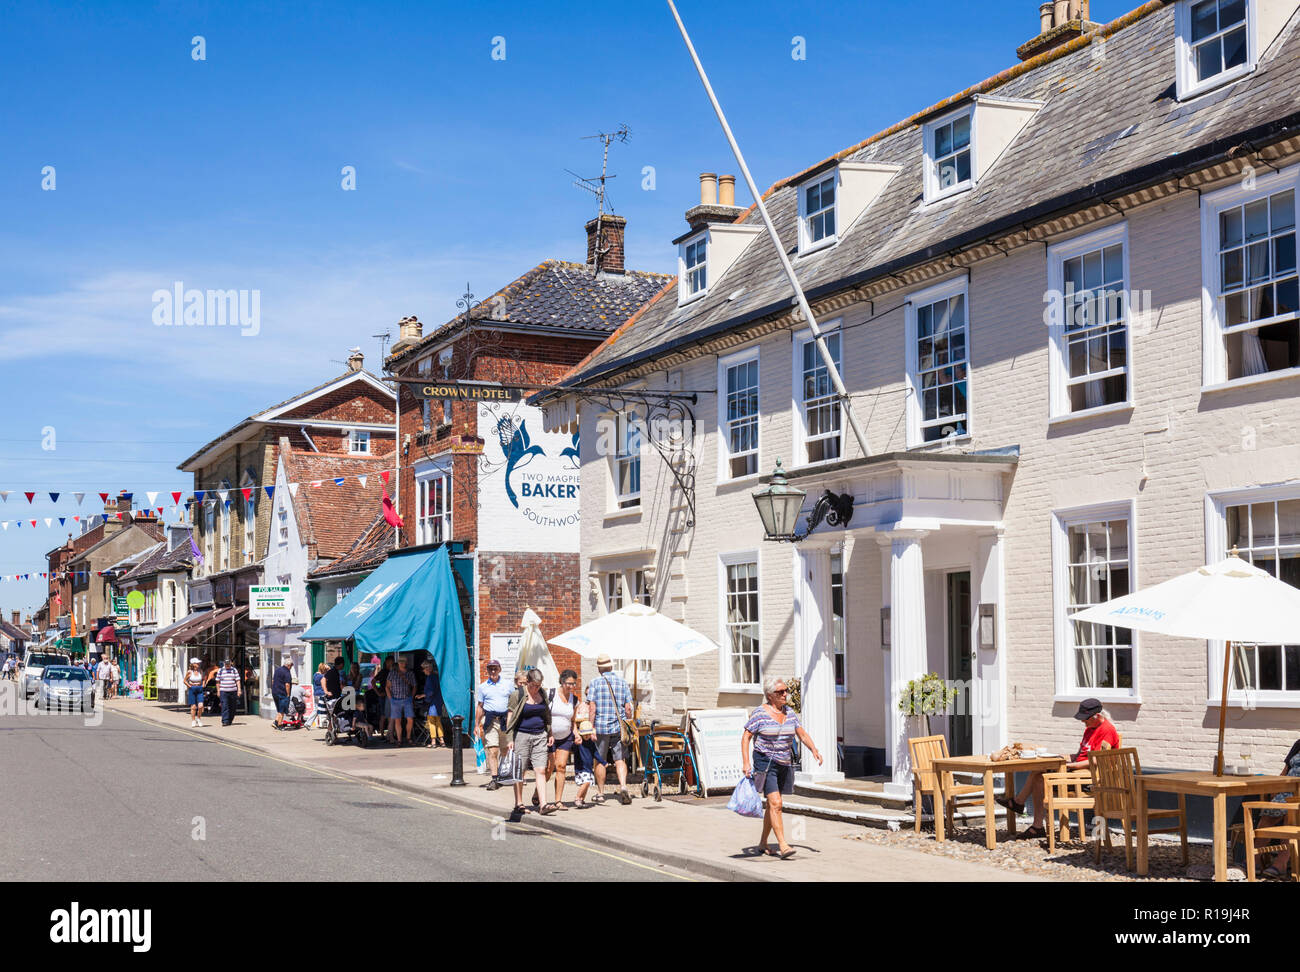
480, 755
745, 799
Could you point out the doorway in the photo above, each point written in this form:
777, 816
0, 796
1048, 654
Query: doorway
960, 667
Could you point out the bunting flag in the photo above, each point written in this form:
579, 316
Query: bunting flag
4, 496
5, 524
29, 496
54, 497
384, 476
153, 498
79, 497
48, 521
338, 481
199, 494
62, 521
224, 494
293, 489
227, 503
362, 481
103, 497
315, 484
248, 493
176, 499
194, 548
127, 496
270, 491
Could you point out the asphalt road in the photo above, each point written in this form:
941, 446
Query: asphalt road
126, 801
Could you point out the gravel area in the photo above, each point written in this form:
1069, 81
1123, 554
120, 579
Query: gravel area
1073, 861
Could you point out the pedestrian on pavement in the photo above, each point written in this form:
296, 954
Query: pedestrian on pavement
584, 753
115, 675
317, 682
563, 704
379, 682
773, 728
491, 709
9, 667
529, 728
229, 689
399, 688
194, 692
352, 676
103, 678
435, 708
611, 697
281, 685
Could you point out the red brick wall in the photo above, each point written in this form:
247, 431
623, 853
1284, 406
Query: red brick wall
510, 583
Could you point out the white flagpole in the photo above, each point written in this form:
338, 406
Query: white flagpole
831, 369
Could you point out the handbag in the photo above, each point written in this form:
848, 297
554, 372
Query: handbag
626, 730
745, 799
508, 768
480, 756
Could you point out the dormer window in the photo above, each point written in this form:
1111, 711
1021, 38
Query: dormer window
817, 213
1216, 43
949, 163
695, 267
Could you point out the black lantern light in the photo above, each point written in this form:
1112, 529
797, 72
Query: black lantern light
779, 504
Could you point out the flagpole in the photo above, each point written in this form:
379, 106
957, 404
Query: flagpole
806, 310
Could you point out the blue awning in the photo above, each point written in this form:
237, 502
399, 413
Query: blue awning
409, 603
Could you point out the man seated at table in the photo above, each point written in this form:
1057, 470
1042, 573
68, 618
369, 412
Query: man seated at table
1099, 733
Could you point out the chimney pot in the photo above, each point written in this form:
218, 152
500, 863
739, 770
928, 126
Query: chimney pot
727, 190
356, 360
1076, 8
1045, 15
708, 188
1061, 13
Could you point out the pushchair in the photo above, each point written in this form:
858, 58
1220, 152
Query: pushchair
342, 722
668, 758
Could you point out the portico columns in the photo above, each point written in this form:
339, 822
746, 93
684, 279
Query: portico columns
813, 663
907, 656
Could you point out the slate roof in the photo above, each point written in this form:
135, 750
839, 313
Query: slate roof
14, 633
330, 517
558, 294
161, 560
1073, 152
367, 552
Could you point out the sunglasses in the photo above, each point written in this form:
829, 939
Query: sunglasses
781, 692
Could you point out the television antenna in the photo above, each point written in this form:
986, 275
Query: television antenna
597, 185
383, 337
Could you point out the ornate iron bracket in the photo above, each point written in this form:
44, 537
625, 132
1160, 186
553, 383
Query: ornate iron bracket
835, 508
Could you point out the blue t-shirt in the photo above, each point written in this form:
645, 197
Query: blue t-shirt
494, 696
281, 680
317, 689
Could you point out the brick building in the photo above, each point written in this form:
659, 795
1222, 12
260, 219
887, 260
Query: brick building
1064, 305
483, 472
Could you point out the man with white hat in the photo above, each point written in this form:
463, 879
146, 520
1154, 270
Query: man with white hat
610, 696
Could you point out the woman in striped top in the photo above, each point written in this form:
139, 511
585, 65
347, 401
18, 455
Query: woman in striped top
773, 728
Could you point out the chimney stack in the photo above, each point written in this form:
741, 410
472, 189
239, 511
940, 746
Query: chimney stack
355, 359
17, 615
410, 333
1060, 21
605, 243
717, 201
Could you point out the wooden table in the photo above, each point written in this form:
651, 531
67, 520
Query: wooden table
1217, 788
944, 768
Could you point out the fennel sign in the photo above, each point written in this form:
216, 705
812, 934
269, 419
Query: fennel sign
528, 483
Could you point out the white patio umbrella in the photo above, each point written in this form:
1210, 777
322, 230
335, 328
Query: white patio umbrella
636, 632
533, 652
1231, 601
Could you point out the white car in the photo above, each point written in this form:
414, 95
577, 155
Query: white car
34, 665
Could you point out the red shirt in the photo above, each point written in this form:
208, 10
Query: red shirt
1093, 738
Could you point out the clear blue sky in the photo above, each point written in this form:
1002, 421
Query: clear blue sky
225, 174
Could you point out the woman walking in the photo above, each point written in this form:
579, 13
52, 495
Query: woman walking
529, 728
562, 708
773, 728
194, 692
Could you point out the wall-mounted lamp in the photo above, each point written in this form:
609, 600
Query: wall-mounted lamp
988, 626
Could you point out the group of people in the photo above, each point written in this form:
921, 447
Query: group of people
397, 693
230, 687
543, 731
9, 671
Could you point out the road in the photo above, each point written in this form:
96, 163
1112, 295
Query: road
128, 801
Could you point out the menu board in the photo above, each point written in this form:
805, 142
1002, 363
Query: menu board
716, 735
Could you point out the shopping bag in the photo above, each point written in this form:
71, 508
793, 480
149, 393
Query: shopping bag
480, 755
508, 769
745, 799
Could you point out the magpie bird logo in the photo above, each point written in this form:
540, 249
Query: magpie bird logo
517, 448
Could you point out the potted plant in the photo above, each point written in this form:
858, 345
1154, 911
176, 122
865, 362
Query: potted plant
795, 701
929, 695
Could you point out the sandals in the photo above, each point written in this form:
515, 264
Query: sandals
549, 809
1035, 833
1272, 872
786, 854
598, 800
1010, 802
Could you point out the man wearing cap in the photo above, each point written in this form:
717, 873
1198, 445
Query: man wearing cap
228, 688
611, 697
1099, 733
281, 685
492, 706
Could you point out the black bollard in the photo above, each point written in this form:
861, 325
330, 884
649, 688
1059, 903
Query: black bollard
457, 752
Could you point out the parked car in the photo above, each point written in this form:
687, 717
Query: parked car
65, 686
35, 664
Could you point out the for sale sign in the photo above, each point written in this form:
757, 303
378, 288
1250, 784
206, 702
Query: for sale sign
269, 604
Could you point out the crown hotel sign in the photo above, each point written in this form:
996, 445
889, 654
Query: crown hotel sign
473, 391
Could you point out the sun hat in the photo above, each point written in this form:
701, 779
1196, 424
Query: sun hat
585, 728
604, 661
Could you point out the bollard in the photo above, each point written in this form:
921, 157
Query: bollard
457, 752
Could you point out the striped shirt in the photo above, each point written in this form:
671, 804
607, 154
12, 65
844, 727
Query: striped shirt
773, 739
228, 680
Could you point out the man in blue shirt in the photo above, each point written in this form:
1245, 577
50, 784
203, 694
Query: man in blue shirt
281, 684
492, 705
611, 698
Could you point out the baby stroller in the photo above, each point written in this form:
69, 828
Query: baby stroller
342, 722
295, 717
669, 758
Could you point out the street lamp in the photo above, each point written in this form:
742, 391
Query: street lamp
779, 504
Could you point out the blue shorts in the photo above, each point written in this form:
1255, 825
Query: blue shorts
772, 777
281, 703
194, 695
401, 708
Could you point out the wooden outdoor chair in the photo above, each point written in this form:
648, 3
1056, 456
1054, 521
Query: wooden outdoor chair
925, 750
1284, 835
1064, 793
1114, 793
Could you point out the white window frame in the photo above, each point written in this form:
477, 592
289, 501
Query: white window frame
1063, 640
282, 513
958, 286
1185, 59
617, 591
842, 651
685, 277
250, 528
209, 538
1216, 548
626, 502
427, 478
1214, 364
933, 189
725, 455
798, 407
725, 682
1057, 254
806, 243
357, 438
225, 535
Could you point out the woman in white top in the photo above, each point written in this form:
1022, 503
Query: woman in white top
194, 691
562, 729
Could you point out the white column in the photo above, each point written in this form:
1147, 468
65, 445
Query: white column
989, 697
908, 659
813, 662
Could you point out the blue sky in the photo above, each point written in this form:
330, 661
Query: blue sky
226, 174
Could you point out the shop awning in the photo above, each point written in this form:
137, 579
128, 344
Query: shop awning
409, 603
188, 629
105, 634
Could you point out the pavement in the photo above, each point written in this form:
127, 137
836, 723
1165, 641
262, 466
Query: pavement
701, 837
